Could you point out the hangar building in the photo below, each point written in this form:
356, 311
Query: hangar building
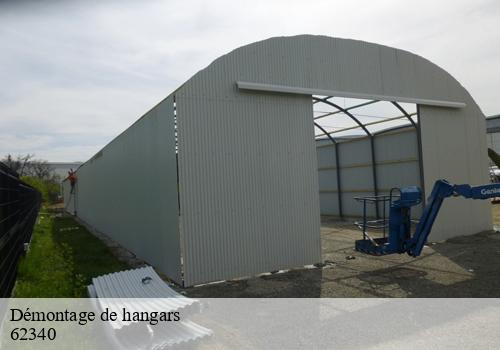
220, 179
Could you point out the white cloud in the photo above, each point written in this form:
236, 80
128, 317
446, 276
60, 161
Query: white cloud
75, 74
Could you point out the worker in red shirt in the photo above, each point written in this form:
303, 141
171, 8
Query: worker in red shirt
72, 179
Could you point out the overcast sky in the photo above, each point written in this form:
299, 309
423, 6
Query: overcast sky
75, 74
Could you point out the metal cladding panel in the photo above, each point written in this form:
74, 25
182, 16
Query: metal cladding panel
399, 145
357, 178
397, 166
126, 288
390, 58
397, 161
354, 152
328, 202
326, 156
129, 284
398, 175
325, 63
128, 190
248, 182
327, 179
353, 208
350, 206
454, 148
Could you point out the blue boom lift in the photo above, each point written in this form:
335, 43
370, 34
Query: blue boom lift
400, 240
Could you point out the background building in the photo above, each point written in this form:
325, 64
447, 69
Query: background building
493, 132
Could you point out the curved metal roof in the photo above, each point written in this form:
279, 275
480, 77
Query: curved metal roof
328, 66
331, 67
309, 64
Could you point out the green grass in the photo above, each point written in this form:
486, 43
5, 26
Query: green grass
61, 263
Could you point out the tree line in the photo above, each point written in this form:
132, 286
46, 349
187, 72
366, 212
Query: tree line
37, 173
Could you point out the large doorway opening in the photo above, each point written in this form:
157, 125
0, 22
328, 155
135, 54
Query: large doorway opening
364, 148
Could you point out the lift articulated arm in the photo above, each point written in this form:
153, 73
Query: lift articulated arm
442, 189
400, 239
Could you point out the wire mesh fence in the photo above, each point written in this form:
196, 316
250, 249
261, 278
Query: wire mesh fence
19, 206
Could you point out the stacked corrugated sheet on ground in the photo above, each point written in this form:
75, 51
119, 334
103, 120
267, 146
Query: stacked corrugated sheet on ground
142, 290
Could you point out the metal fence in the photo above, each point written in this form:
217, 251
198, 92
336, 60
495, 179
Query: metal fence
19, 206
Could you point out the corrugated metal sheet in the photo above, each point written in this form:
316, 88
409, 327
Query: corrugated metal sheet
396, 154
248, 184
453, 145
91, 291
321, 62
128, 190
128, 284
126, 290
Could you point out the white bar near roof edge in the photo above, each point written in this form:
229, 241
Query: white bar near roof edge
308, 91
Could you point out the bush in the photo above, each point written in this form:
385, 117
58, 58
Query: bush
48, 189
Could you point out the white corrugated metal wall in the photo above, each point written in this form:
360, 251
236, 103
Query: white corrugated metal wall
129, 190
453, 147
248, 184
396, 154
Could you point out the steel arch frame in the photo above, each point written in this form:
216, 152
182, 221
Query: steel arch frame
371, 136
337, 165
372, 146
419, 145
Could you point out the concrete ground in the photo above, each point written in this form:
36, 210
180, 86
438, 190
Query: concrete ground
466, 266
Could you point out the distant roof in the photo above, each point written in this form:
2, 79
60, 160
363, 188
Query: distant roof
493, 124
